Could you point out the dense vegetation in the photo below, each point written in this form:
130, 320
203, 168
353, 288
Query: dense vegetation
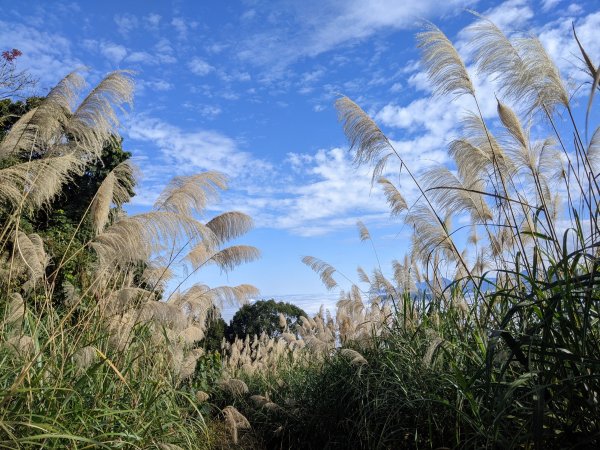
500, 350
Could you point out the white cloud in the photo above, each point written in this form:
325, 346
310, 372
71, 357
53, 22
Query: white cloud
510, 15
191, 151
547, 5
200, 67
152, 20
182, 26
154, 85
125, 23
316, 28
115, 53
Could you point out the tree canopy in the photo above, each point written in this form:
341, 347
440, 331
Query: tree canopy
263, 315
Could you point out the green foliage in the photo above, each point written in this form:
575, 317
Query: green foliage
263, 316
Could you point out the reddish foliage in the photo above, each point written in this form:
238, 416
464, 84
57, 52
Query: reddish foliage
11, 55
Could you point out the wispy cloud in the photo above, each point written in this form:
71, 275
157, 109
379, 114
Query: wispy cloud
200, 67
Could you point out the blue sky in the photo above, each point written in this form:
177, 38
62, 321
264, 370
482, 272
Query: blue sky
247, 88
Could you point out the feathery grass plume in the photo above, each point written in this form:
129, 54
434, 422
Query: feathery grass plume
115, 189
166, 446
363, 133
403, 275
236, 421
202, 397
42, 128
270, 406
34, 184
230, 225
394, 198
136, 238
523, 69
477, 133
21, 346
157, 276
354, 357
122, 300
259, 400
432, 349
593, 151
15, 309
455, 196
191, 335
288, 337
512, 123
30, 250
226, 259
471, 161
163, 313
230, 257
95, 120
445, 68
282, 321
362, 275
235, 387
430, 236
191, 193
324, 270
85, 357
188, 364
195, 302
363, 231
550, 90
232, 295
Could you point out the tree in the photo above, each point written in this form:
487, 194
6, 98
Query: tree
12, 81
263, 315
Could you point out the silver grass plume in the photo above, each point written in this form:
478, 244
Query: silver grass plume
394, 198
364, 135
233, 386
114, 189
15, 309
186, 194
354, 357
30, 249
236, 421
455, 196
85, 357
512, 123
226, 259
362, 275
95, 120
324, 270
432, 349
202, 397
191, 335
230, 225
403, 275
363, 231
444, 65
135, 238
429, 235
20, 346
42, 128
522, 67
34, 184
476, 132
593, 151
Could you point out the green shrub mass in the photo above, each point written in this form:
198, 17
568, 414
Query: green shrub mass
484, 336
